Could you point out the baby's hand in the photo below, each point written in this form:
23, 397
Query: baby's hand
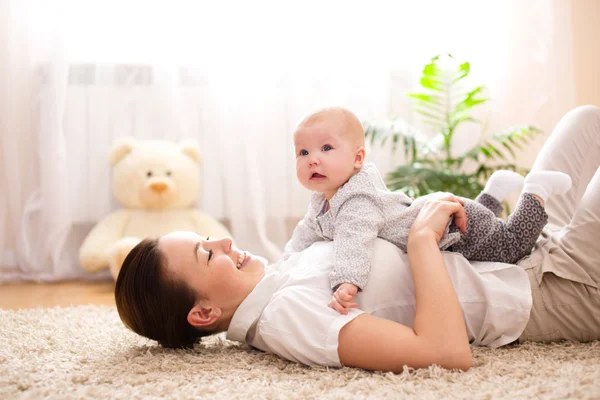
343, 298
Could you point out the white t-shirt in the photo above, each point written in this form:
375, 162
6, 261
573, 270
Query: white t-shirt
287, 312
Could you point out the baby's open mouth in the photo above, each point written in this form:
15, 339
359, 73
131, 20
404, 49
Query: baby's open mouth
317, 176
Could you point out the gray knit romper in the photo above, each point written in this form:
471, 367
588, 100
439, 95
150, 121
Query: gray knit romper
363, 210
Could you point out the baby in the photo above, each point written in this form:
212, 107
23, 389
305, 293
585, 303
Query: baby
352, 206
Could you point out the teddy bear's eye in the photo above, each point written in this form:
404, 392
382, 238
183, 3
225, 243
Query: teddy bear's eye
149, 174
168, 173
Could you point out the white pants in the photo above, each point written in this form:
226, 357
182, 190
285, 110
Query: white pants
564, 268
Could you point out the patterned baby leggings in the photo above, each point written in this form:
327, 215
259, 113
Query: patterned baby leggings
488, 238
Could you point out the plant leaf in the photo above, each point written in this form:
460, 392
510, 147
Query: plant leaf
427, 98
400, 132
515, 136
445, 102
417, 180
432, 84
472, 99
463, 71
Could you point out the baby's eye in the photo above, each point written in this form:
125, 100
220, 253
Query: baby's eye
327, 147
303, 153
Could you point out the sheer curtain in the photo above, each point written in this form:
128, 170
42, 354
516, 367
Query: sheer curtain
235, 76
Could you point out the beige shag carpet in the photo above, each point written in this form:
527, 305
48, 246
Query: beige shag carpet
85, 352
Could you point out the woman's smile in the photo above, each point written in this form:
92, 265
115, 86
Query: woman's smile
240, 260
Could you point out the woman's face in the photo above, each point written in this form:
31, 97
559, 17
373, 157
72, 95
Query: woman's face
215, 269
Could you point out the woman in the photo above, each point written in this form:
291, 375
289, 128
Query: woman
180, 287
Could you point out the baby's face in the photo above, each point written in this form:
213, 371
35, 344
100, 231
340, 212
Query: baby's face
325, 157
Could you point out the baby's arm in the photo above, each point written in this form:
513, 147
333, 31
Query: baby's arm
343, 298
358, 224
304, 235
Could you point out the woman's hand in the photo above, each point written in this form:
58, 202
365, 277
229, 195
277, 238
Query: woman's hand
434, 216
438, 335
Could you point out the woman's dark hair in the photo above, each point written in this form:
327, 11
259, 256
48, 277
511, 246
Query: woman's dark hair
150, 303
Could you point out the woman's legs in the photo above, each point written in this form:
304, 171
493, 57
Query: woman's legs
565, 285
573, 148
579, 241
565, 271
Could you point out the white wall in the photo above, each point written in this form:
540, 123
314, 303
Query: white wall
586, 49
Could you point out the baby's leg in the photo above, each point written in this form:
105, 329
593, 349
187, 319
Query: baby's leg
544, 184
498, 187
490, 203
488, 238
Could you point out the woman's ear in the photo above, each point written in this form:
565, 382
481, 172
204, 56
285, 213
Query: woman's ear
359, 159
203, 315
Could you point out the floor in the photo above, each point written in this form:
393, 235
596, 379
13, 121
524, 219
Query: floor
31, 295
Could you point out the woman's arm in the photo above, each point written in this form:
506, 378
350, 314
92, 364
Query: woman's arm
439, 335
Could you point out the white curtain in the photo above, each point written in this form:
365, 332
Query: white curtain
236, 76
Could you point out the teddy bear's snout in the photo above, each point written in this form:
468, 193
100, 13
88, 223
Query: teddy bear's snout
158, 187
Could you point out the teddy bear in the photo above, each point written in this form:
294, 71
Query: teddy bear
157, 182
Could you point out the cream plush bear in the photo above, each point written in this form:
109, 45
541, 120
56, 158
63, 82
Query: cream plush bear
158, 183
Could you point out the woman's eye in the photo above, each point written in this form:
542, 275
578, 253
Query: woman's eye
149, 174
303, 152
327, 147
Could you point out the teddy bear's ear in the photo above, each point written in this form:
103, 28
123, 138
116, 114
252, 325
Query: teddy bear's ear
191, 149
121, 147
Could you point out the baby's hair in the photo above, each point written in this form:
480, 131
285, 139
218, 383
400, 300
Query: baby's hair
353, 127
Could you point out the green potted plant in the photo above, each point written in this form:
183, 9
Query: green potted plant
445, 104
